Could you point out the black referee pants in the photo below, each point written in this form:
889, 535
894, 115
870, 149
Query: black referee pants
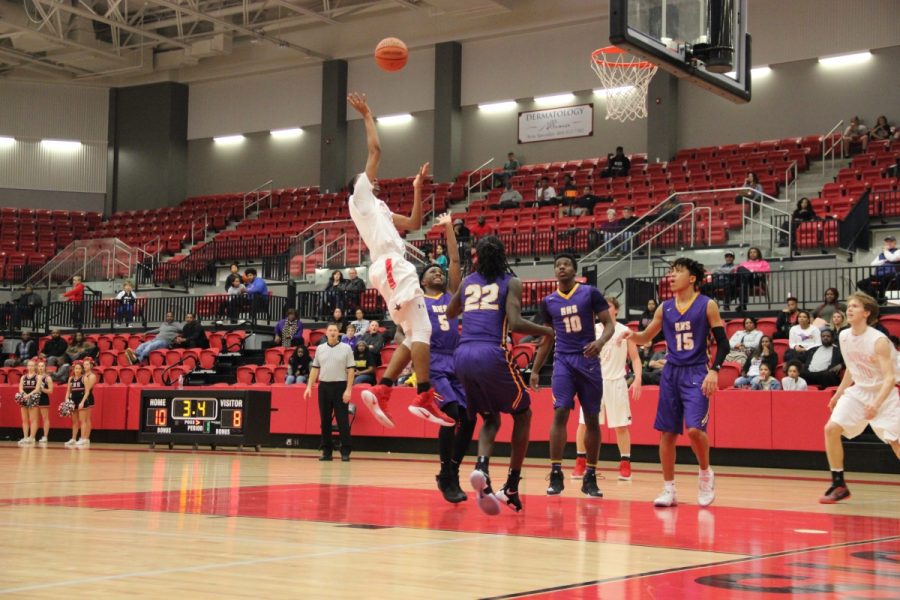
331, 406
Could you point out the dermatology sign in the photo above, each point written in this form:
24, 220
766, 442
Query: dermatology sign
556, 123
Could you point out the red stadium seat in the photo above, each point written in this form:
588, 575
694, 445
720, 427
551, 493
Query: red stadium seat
110, 375
157, 358
274, 356
727, 375
216, 339
143, 375
107, 359
208, 358
245, 374
263, 375
279, 374
127, 375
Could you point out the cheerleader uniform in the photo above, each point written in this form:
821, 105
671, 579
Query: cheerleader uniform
29, 384
76, 389
45, 397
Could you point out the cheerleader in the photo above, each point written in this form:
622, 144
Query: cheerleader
45, 385
27, 385
84, 408
77, 396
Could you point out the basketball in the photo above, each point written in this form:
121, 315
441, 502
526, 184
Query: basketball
391, 54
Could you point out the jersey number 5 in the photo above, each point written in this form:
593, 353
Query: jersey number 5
481, 297
444, 322
684, 341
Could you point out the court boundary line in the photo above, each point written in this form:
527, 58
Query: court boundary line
271, 454
654, 573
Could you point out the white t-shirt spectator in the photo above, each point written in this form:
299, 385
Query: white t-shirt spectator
808, 338
789, 384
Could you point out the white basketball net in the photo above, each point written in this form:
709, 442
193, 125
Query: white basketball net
625, 79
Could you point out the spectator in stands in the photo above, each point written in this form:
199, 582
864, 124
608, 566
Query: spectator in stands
126, 301
289, 330
588, 200
510, 168
752, 191
823, 364
298, 365
764, 354
166, 333
787, 318
628, 228
365, 364
881, 130
235, 301
510, 198
765, 382
54, 350
667, 212
618, 165
462, 232
803, 338
744, 342
752, 274
21, 309
610, 231
335, 362
360, 322
481, 229
804, 210
544, 194
373, 337
192, 334
334, 291
722, 282
257, 292
568, 193
26, 349
838, 323
75, 297
855, 134
440, 257
885, 271
829, 305
652, 369
792, 382
647, 316
337, 315
350, 338
234, 273
354, 287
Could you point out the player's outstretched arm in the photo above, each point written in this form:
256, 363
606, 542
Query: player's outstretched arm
454, 307
452, 251
637, 367
358, 102
640, 338
414, 221
514, 312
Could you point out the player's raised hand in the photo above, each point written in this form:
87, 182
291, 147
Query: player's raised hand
444, 219
710, 384
358, 102
421, 175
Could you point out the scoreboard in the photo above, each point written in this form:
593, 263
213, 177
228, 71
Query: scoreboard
205, 417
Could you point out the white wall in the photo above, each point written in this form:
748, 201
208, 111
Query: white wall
34, 111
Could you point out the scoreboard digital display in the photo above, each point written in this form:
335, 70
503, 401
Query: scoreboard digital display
210, 417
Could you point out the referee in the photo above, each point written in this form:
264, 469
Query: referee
335, 361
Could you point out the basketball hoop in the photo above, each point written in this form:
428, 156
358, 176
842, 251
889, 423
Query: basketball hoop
625, 79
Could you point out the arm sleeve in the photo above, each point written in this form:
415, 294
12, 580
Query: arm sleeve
315, 361
721, 347
363, 198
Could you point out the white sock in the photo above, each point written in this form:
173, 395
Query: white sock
705, 472
669, 485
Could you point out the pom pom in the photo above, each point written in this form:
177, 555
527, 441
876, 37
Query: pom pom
66, 408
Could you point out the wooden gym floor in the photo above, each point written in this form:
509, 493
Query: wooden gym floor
116, 521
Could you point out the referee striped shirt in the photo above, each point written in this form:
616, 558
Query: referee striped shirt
333, 362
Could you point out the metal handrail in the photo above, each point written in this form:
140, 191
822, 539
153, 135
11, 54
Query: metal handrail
830, 150
259, 197
158, 242
469, 185
648, 243
757, 205
205, 226
341, 250
788, 182
414, 254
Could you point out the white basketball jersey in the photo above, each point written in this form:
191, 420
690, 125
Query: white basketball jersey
613, 355
859, 356
374, 222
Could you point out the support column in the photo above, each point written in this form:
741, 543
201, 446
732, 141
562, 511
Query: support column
447, 111
662, 117
333, 166
148, 147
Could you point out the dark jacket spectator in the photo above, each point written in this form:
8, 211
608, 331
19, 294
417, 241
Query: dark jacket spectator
353, 289
787, 318
289, 330
462, 232
373, 338
192, 334
54, 350
365, 364
298, 366
619, 165
804, 211
334, 292
823, 363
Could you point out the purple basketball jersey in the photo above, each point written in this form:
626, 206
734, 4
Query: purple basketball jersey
572, 316
686, 333
444, 331
484, 309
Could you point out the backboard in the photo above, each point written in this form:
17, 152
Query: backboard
704, 41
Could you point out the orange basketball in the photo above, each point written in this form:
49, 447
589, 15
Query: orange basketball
391, 54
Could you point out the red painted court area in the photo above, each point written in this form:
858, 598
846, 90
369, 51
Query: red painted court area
723, 529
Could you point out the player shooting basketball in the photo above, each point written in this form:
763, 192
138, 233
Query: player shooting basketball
394, 277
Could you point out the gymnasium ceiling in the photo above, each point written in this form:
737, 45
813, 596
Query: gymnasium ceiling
129, 42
